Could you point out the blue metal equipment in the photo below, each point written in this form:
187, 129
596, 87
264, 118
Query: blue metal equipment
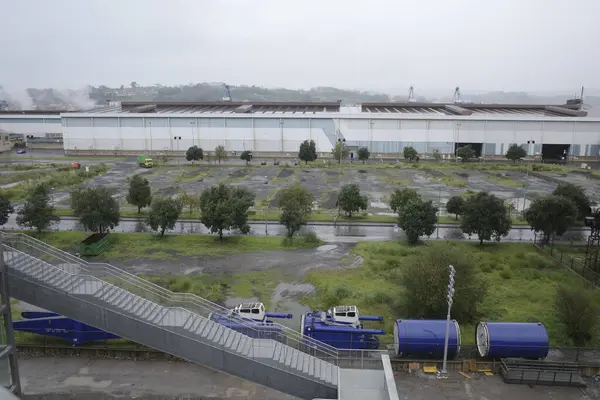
512, 340
340, 327
52, 324
251, 320
425, 338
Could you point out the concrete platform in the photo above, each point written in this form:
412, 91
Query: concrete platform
358, 384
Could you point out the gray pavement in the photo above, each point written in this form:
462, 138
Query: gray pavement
81, 378
125, 379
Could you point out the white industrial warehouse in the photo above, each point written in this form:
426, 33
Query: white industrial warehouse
278, 128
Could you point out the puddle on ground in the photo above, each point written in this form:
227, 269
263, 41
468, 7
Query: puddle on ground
326, 247
286, 298
378, 204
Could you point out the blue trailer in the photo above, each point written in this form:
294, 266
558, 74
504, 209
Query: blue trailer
52, 324
341, 328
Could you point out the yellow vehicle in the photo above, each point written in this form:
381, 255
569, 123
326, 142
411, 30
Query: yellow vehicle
145, 161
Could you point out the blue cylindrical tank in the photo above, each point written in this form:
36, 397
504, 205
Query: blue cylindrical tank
419, 338
512, 340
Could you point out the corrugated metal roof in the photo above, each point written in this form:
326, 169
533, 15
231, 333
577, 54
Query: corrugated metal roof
506, 110
221, 108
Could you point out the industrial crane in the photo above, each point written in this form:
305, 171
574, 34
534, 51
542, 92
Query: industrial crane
227, 93
411, 95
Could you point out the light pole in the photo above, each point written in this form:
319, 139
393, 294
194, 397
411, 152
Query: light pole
439, 212
456, 139
150, 126
450, 297
342, 144
177, 139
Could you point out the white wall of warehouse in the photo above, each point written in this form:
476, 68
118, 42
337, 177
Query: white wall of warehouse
274, 134
36, 125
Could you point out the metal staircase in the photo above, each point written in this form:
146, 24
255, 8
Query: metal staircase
113, 300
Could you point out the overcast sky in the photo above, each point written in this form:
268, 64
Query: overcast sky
531, 45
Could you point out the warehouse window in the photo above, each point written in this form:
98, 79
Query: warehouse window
106, 122
239, 122
132, 122
25, 120
79, 122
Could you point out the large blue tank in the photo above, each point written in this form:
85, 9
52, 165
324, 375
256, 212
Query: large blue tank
417, 338
252, 320
512, 340
52, 324
341, 328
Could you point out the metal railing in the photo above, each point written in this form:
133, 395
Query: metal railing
111, 275
111, 314
535, 373
568, 261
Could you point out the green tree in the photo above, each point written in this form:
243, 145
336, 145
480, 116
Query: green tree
224, 207
577, 195
410, 153
350, 200
139, 194
418, 218
425, 280
6, 209
96, 209
466, 153
577, 312
190, 201
551, 215
363, 154
485, 215
400, 197
37, 212
246, 156
340, 152
515, 153
194, 153
296, 205
163, 214
220, 153
308, 151
455, 205
436, 155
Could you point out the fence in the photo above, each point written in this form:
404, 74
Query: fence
568, 260
41, 345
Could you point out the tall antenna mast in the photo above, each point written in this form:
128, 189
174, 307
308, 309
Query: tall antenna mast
411, 95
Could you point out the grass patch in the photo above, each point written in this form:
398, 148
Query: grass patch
522, 284
144, 245
501, 180
194, 176
65, 177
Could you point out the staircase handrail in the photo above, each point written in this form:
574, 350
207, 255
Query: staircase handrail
91, 278
185, 298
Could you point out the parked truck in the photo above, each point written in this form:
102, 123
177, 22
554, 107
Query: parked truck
145, 161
